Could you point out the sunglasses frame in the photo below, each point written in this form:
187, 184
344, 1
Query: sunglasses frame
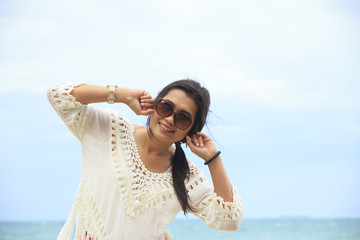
176, 114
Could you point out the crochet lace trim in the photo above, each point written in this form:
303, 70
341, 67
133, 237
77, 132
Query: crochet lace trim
225, 210
140, 188
89, 224
64, 102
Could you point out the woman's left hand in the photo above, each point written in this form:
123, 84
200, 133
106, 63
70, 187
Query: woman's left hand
201, 145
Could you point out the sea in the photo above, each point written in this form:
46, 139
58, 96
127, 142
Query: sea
251, 229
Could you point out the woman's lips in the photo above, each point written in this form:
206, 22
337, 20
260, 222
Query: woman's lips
165, 128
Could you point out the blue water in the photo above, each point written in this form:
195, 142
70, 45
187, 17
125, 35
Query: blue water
251, 229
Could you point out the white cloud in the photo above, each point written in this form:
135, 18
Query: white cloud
200, 53
287, 93
184, 7
235, 84
106, 45
31, 28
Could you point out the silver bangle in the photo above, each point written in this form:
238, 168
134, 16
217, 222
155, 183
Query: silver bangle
111, 95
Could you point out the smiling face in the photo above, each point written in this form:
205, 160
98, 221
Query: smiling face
163, 128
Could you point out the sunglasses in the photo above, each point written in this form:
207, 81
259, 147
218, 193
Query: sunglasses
165, 108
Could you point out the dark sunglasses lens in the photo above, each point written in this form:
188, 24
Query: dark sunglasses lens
182, 121
164, 108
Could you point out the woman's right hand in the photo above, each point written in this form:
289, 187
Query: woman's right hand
139, 101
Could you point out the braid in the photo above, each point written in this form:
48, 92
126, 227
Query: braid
180, 168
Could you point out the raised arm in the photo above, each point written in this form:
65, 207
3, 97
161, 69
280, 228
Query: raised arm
219, 206
203, 146
70, 100
139, 101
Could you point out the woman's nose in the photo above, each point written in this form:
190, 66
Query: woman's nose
170, 119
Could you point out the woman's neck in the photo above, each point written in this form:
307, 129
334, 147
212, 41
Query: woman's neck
155, 155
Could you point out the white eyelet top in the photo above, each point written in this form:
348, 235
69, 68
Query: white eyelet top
118, 198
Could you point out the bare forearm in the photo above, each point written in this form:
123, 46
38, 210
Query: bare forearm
139, 101
203, 147
222, 184
86, 94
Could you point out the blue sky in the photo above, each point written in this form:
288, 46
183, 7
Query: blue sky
283, 76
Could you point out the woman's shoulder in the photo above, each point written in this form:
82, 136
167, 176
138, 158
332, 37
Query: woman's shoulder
118, 119
139, 131
138, 127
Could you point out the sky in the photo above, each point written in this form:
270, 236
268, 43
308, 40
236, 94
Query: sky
283, 77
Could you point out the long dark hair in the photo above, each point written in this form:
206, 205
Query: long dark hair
180, 166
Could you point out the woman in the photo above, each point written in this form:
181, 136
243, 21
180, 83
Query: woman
133, 180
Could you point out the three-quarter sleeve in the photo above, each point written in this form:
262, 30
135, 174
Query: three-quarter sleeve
211, 208
72, 112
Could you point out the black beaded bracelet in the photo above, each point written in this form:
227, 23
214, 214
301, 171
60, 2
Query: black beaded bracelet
215, 156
